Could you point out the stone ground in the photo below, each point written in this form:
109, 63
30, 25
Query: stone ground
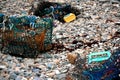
96, 29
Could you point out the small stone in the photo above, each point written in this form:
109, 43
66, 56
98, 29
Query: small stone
56, 61
117, 14
18, 78
46, 55
41, 67
35, 70
68, 77
23, 78
2, 78
31, 78
58, 36
50, 74
71, 57
50, 79
2, 67
103, 0
9, 58
117, 23
49, 65
13, 76
109, 37
57, 71
17, 68
63, 70
61, 76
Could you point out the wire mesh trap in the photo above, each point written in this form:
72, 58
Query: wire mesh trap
26, 36
55, 10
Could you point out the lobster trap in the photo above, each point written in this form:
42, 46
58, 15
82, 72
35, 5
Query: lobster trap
58, 11
26, 36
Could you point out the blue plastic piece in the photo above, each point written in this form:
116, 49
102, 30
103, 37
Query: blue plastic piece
109, 70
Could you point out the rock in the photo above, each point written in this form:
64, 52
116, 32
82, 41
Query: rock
63, 70
23, 78
20, 59
46, 55
56, 61
36, 70
68, 77
50, 74
50, 79
18, 78
71, 58
60, 76
41, 67
57, 71
58, 1
9, 58
58, 36
2, 67
117, 23
109, 37
117, 14
17, 69
13, 76
3, 78
103, 0
49, 65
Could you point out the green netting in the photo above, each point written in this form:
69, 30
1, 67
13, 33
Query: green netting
26, 35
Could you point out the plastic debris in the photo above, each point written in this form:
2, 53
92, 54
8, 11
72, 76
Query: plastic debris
69, 17
98, 56
106, 71
57, 11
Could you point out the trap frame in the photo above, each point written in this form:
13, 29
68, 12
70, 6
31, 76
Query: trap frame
26, 36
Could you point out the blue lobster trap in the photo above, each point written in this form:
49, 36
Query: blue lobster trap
26, 35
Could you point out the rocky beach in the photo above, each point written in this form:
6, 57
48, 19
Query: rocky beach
96, 29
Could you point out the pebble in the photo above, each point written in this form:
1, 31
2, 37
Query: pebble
50, 79
49, 65
2, 67
117, 23
13, 76
56, 61
57, 71
71, 58
50, 74
61, 76
46, 55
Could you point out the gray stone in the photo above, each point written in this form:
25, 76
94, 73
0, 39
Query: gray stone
2, 67
2, 78
36, 78
49, 65
18, 78
9, 58
46, 55
61, 76
13, 76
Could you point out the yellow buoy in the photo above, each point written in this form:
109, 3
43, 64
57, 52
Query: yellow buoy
69, 17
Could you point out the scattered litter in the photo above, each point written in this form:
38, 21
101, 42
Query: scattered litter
57, 11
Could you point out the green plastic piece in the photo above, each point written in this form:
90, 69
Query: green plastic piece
98, 56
